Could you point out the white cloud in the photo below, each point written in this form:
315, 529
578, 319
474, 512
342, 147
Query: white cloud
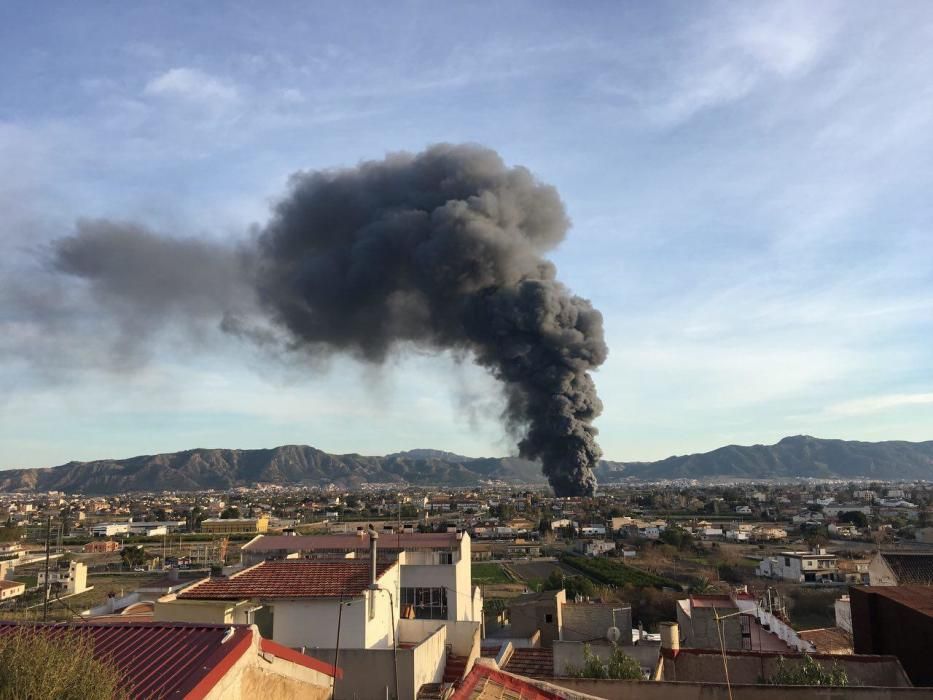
193, 85
879, 404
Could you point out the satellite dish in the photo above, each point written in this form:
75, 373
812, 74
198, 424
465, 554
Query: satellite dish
613, 634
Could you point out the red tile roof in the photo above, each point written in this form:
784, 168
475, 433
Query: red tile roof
160, 660
348, 543
485, 683
294, 578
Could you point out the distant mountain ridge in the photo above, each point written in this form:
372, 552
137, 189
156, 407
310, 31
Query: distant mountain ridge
197, 469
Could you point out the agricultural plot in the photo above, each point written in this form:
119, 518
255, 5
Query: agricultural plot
613, 573
488, 574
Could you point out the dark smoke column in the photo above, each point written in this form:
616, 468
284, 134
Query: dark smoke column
444, 250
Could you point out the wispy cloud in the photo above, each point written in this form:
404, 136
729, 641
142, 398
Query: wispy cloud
879, 404
192, 85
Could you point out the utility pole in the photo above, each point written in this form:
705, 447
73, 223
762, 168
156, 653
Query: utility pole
48, 542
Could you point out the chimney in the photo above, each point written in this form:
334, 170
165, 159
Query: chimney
373, 546
670, 636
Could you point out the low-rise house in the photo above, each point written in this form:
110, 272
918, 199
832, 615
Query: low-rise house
901, 569
69, 576
594, 548
802, 567
433, 566
101, 547
11, 589
764, 533
736, 621
11, 550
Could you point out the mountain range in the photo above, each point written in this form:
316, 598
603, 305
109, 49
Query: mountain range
199, 469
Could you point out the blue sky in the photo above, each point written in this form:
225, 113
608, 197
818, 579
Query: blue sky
749, 185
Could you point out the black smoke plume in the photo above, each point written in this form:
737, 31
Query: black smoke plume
443, 250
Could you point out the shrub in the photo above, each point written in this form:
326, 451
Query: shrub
42, 662
808, 672
619, 666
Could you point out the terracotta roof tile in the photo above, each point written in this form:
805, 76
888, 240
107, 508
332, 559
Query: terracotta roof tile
296, 578
391, 542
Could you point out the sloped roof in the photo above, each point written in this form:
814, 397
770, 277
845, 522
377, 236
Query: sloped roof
910, 568
828, 640
294, 578
535, 663
486, 683
349, 543
159, 660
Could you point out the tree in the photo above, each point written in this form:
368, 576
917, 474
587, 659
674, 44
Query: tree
619, 666
854, 517
808, 672
133, 556
676, 537
230, 512
42, 662
572, 585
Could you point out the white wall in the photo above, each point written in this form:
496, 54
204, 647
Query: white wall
313, 623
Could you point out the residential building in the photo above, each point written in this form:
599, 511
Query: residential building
901, 568
11, 551
299, 603
435, 568
233, 526
594, 548
70, 576
738, 621
11, 589
101, 546
811, 567
549, 618
747, 669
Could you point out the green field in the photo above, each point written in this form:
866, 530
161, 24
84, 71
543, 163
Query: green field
613, 573
490, 573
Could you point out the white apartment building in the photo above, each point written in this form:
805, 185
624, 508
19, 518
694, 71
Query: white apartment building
435, 568
71, 576
801, 567
342, 610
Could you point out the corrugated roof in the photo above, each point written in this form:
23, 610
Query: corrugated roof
293, 578
919, 598
160, 660
351, 542
910, 569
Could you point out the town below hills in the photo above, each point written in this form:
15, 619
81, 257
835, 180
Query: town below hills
201, 469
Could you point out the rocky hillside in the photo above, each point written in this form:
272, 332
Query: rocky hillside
800, 456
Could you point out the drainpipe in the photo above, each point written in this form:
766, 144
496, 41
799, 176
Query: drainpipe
373, 585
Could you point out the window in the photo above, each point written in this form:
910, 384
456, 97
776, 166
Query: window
786, 561
428, 603
548, 617
445, 557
